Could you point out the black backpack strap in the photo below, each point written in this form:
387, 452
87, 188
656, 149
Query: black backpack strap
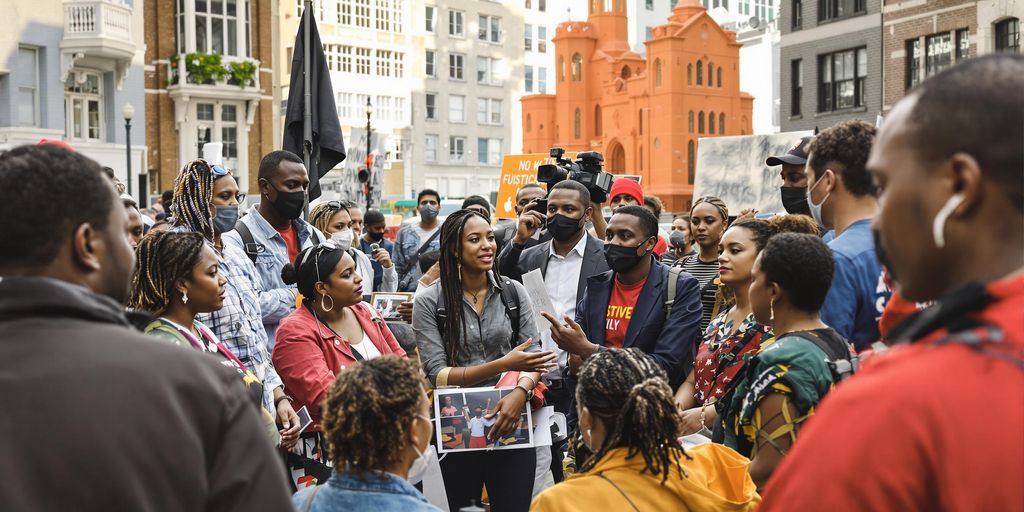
510, 297
842, 363
249, 244
312, 234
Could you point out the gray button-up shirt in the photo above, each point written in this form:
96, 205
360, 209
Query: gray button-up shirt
487, 336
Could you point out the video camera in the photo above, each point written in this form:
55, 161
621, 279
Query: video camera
586, 170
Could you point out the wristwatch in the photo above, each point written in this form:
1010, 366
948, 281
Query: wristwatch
529, 392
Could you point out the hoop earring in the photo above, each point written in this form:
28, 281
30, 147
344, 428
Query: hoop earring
184, 297
771, 308
323, 305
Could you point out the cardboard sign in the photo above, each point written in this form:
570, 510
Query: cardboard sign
516, 171
733, 169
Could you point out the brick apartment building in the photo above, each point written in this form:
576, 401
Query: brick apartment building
831, 62
208, 79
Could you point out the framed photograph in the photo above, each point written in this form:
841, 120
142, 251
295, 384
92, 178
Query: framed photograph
386, 303
461, 422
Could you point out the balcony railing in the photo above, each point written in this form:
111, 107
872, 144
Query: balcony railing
97, 18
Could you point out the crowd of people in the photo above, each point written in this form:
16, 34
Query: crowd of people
191, 356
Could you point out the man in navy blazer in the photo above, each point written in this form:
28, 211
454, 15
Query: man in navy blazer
625, 306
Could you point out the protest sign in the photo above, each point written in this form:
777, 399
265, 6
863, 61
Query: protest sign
516, 171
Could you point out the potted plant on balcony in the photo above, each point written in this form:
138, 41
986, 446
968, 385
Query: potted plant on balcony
242, 73
204, 68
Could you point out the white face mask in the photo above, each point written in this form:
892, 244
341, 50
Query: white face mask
419, 466
343, 238
816, 208
939, 224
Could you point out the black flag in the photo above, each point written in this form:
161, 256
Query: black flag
327, 149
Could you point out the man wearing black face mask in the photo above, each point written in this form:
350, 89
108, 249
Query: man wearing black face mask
272, 234
794, 182
374, 226
565, 261
630, 305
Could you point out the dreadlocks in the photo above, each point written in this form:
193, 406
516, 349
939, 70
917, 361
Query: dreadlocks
162, 258
193, 192
451, 279
629, 392
320, 216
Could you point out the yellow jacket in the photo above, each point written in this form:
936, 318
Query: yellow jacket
716, 480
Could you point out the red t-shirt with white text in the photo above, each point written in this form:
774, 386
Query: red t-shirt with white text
620, 310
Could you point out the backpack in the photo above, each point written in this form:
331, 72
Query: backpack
841, 361
670, 290
509, 297
252, 248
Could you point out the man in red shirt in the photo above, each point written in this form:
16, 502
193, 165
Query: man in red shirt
936, 423
626, 306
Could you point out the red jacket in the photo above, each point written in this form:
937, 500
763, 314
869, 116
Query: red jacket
308, 355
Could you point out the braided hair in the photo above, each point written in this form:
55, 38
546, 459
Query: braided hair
630, 394
162, 258
320, 216
193, 193
451, 279
369, 410
719, 205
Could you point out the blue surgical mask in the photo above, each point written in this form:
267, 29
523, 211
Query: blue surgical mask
816, 208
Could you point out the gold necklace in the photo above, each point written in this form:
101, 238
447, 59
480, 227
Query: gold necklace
474, 295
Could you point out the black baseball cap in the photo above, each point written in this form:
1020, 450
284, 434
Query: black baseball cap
797, 155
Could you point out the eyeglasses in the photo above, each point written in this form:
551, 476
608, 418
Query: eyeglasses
240, 197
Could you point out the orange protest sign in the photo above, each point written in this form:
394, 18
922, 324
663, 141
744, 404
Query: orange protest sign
516, 171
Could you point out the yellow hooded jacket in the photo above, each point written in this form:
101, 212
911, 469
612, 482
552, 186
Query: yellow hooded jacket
716, 479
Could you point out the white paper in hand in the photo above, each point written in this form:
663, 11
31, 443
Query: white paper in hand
533, 281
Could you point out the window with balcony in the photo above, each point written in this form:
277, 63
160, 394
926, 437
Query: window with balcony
456, 149
829, 10
488, 111
488, 151
456, 66
457, 109
488, 71
26, 82
1008, 35
542, 39
842, 79
213, 26
796, 92
490, 29
83, 106
430, 63
430, 148
528, 37
430, 18
456, 23
430, 103
542, 80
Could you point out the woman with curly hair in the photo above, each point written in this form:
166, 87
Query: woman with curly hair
377, 425
629, 423
734, 333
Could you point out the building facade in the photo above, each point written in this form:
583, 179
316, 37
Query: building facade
68, 70
208, 78
831, 65
644, 115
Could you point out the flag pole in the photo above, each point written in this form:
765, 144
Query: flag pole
307, 94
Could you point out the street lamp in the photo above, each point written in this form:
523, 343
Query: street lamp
369, 162
128, 112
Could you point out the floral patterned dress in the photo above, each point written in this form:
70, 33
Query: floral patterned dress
722, 355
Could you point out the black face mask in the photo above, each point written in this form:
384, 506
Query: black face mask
621, 258
563, 228
794, 200
289, 204
883, 258
376, 237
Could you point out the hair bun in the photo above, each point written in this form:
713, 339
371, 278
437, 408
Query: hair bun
289, 275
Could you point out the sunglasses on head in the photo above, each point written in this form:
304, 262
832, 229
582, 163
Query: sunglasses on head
219, 171
325, 246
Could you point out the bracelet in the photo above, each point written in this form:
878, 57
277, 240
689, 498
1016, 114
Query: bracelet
278, 400
532, 382
529, 393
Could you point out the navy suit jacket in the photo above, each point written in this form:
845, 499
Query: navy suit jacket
520, 261
670, 341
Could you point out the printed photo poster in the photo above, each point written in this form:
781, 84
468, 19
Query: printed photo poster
386, 303
461, 422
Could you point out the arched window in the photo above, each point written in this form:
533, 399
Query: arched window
689, 121
689, 74
626, 72
719, 77
711, 123
721, 123
711, 75
561, 69
691, 164
597, 120
641, 121
700, 73
529, 122
657, 72
577, 67
576, 121
700, 122
641, 158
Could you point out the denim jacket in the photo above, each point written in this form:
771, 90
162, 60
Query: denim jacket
376, 491
277, 299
